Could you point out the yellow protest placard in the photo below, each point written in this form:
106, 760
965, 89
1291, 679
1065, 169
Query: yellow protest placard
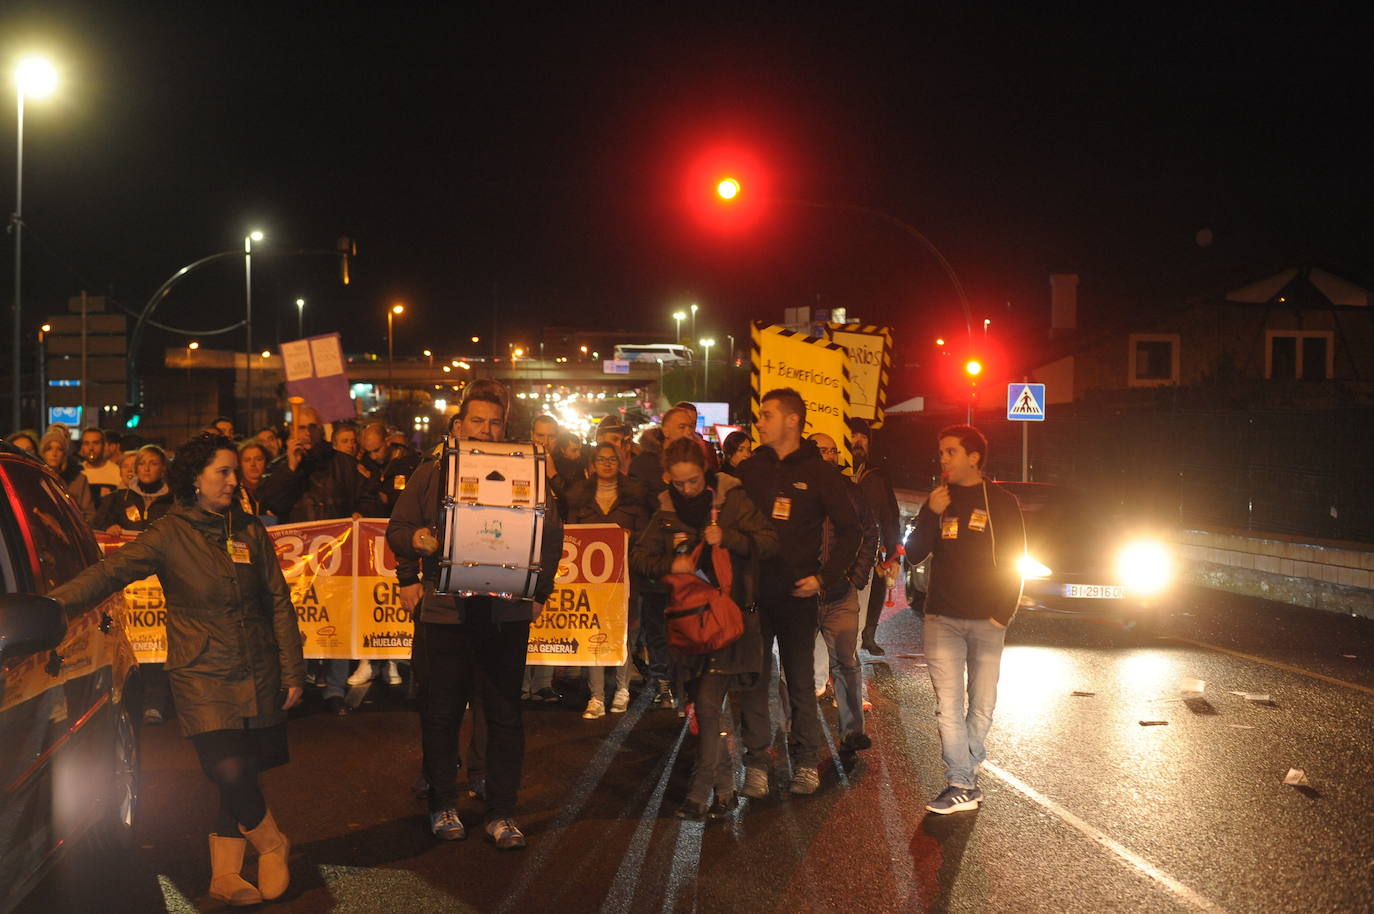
815, 368
586, 620
870, 361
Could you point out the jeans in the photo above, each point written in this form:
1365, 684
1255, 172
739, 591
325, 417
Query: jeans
596, 678
954, 646
484, 661
653, 628
336, 674
792, 621
838, 642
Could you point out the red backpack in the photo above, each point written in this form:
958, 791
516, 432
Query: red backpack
701, 618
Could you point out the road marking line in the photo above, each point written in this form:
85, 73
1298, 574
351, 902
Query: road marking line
623, 888
1140, 863
1277, 664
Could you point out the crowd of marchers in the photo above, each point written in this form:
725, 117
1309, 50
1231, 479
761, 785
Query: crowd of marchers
801, 550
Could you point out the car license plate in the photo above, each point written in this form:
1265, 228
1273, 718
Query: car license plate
1095, 591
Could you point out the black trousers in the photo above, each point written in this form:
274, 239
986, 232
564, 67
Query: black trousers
714, 766
484, 660
792, 621
877, 597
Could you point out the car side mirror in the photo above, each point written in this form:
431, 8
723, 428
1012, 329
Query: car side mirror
29, 624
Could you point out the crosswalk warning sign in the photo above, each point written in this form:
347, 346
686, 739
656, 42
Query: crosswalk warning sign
1026, 402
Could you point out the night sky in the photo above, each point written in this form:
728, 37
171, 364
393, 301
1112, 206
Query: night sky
532, 163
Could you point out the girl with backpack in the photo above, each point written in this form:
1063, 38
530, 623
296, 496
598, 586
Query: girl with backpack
698, 514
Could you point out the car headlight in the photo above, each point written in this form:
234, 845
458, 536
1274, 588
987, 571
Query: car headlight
1144, 567
1030, 568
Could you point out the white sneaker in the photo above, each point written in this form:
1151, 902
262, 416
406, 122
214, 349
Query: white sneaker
595, 708
362, 674
393, 675
621, 703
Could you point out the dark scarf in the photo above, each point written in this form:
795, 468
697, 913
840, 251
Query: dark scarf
696, 511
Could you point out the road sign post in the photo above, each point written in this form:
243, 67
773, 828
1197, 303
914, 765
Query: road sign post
1025, 404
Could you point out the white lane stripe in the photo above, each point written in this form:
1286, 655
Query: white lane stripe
1140, 863
686, 865
626, 883
903, 867
1276, 664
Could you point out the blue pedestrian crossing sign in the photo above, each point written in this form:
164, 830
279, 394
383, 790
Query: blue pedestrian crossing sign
1026, 402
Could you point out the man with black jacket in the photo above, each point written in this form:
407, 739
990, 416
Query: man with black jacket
973, 530
882, 501
789, 482
471, 645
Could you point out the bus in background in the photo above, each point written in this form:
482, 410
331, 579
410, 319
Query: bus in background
668, 353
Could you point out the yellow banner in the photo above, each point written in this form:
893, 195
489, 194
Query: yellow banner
342, 577
870, 359
585, 620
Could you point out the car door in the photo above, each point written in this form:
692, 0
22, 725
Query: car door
55, 708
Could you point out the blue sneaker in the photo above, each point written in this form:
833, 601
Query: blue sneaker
446, 825
955, 799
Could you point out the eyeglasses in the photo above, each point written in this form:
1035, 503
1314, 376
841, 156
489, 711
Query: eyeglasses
829, 450
607, 460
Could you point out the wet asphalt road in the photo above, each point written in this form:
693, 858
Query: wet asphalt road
1087, 810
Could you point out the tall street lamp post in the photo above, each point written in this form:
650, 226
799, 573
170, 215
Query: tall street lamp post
678, 318
248, 321
694, 321
706, 344
35, 77
300, 318
391, 313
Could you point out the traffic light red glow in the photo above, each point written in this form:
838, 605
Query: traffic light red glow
973, 367
726, 189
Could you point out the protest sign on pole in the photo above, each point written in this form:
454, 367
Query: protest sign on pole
870, 362
817, 369
315, 372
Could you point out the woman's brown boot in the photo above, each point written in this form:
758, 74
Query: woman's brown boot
272, 847
226, 884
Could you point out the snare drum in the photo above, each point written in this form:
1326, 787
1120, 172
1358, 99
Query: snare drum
493, 519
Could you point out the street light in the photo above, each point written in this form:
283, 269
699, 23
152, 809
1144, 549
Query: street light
34, 77
248, 240
679, 317
694, 320
300, 318
391, 314
706, 381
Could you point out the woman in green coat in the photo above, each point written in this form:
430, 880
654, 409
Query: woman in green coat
691, 511
234, 656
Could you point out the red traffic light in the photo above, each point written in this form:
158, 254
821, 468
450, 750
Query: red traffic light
973, 368
727, 189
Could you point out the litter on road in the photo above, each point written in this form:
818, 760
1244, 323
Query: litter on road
1191, 687
1252, 696
1154, 723
1295, 777
1083, 694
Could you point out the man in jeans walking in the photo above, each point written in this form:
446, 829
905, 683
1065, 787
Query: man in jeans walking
973, 530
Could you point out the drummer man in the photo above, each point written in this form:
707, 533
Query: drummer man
473, 647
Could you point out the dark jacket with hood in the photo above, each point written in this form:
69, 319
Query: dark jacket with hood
749, 538
799, 493
233, 643
630, 510
132, 508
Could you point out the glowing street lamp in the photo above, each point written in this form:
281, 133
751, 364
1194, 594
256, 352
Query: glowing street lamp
248, 240
300, 318
679, 317
706, 380
694, 320
34, 77
392, 312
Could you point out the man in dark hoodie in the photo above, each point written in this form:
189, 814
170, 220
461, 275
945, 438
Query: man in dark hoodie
790, 483
974, 531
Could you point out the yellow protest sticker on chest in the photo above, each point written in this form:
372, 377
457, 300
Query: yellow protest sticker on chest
132, 514
978, 520
782, 508
239, 552
949, 528
398, 482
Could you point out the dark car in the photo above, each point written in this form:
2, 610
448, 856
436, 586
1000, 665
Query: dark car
69, 689
1081, 556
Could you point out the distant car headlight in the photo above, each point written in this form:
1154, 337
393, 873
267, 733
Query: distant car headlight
1144, 567
1030, 568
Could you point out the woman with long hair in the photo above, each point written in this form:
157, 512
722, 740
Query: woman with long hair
696, 509
736, 449
234, 655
